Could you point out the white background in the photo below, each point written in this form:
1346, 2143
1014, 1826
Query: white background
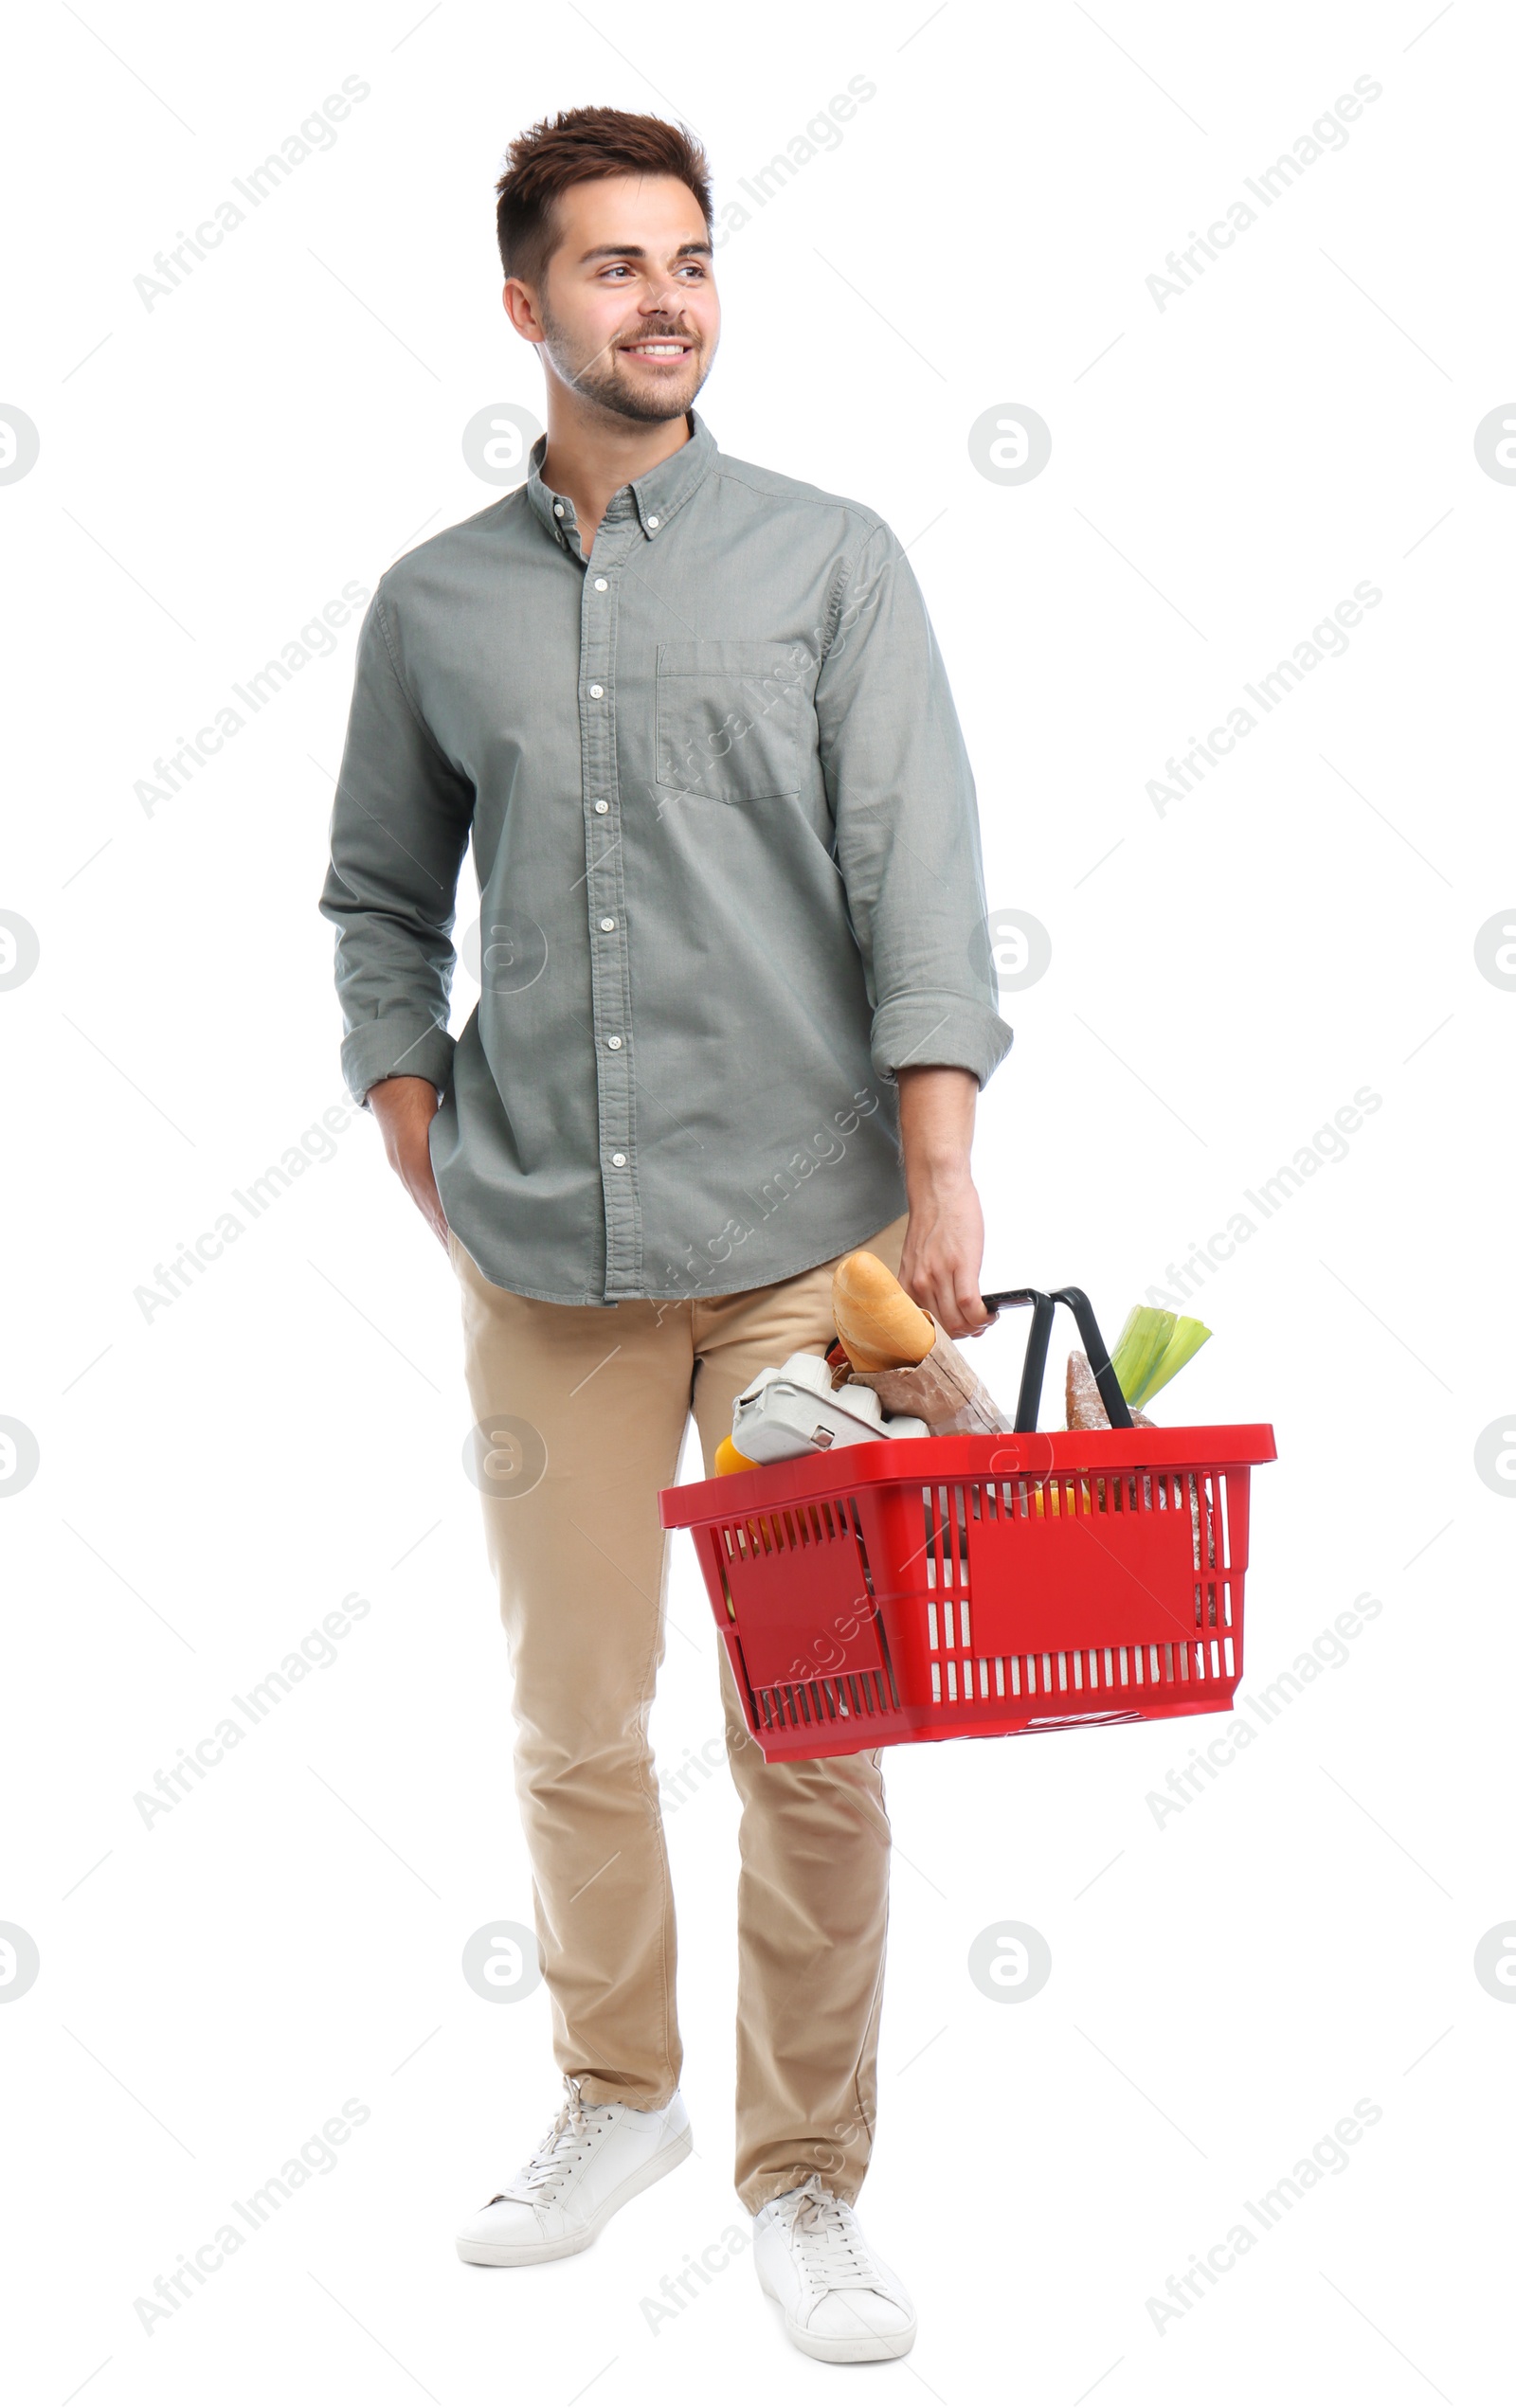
217, 1478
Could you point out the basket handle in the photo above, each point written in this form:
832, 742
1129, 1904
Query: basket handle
1029, 1401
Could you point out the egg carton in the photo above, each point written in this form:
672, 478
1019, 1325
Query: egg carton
795, 1410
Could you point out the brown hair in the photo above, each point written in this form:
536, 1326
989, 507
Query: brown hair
577, 147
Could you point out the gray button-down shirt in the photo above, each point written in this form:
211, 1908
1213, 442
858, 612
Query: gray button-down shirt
728, 851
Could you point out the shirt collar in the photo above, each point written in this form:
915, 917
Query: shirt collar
657, 497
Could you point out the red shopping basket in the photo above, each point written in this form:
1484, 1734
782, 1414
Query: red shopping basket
961, 1587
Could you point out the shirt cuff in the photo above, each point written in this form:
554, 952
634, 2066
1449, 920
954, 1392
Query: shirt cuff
399, 1047
947, 1030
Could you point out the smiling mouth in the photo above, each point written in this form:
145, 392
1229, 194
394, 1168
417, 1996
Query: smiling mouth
658, 347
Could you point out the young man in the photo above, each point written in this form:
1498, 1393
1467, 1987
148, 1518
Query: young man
736, 1006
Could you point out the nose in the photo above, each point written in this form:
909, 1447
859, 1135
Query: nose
659, 298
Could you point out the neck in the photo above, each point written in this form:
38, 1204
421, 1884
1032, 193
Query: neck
591, 453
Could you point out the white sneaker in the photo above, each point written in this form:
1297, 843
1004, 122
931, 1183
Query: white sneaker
597, 2156
840, 2301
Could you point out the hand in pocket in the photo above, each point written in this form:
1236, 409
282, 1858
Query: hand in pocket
405, 1109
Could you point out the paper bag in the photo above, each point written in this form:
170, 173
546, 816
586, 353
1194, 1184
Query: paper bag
943, 1389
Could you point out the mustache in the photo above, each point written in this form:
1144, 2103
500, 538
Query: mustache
642, 334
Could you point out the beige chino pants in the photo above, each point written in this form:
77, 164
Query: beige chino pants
583, 1569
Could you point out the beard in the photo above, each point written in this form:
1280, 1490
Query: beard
602, 376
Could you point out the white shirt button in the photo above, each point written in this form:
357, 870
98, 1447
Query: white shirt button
618, 1160
615, 1044
651, 522
602, 807
600, 583
607, 923
596, 691
557, 509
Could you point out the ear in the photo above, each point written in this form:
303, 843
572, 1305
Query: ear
519, 304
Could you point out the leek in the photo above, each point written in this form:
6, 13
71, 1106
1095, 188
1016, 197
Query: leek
1153, 1345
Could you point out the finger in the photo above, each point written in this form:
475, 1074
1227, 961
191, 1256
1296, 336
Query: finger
971, 1306
946, 1311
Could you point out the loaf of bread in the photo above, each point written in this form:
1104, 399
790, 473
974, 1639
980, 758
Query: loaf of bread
898, 1351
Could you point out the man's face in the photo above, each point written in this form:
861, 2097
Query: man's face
628, 313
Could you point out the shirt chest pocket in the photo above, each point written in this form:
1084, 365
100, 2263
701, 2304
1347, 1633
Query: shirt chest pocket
732, 718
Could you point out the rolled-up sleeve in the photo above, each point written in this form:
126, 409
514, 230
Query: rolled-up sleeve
907, 823
399, 825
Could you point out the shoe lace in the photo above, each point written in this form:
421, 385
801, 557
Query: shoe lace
572, 2127
829, 2243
